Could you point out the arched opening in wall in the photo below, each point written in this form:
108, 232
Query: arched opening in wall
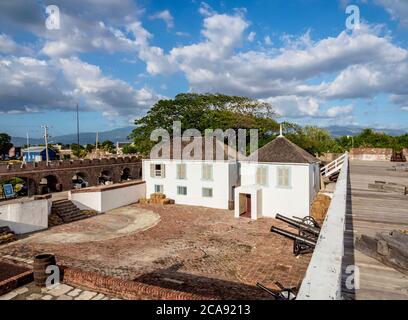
20, 187
50, 184
125, 176
105, 177
79, 180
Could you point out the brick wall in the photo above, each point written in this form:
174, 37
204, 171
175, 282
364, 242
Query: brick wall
123, 288
371, 154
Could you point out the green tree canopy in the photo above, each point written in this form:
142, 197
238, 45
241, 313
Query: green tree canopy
5, 143
129, 149
205, 111
108, 146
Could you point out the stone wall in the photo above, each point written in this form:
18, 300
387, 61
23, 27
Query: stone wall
371, 154
63, 171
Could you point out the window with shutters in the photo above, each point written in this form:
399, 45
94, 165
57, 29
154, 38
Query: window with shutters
181, 171
207, 192
284, 177
181, 190
158, 188
207, 172
262, 176
157, 170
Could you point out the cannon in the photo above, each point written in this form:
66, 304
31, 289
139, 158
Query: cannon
282, 294
305, 229
301, 244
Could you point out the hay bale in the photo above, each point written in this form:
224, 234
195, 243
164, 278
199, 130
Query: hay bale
7, 238
320, 206
157, 195
165, 201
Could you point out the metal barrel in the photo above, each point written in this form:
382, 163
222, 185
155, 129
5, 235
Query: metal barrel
293, 236
298, 224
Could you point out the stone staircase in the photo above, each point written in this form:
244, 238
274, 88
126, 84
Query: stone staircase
67, 211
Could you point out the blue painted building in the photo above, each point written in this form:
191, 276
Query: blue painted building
36, 154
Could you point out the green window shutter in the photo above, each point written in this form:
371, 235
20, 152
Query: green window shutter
152, 170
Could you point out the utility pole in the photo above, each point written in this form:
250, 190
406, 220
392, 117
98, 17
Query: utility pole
28, 158
96, 145
46, 143
28, 147
77, 109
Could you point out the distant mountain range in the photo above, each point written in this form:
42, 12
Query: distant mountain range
116, 135
337, 131
121, 135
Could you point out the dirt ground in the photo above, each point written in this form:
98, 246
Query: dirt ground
193, 249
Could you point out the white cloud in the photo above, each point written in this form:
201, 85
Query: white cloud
206, 10
336, 111
9, 46
111, 96
297, 78
294, 106
166, 16
154, 57
33, 85
251, 36
398, 9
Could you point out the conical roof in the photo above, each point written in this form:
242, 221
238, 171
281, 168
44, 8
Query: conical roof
284, 151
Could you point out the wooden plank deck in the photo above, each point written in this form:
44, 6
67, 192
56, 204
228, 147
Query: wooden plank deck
369, 212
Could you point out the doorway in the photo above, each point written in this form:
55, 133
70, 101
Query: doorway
245, 205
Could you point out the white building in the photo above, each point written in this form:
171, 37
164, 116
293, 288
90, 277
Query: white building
195, 181
284, 179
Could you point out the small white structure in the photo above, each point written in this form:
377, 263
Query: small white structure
108, 197
26, 216
279, 178
284, 179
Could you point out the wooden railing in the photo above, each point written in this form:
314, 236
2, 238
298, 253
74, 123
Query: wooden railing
334, 166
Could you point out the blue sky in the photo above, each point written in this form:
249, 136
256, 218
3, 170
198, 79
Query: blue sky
116, 58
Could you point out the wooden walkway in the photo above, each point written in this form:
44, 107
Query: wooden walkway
369, 212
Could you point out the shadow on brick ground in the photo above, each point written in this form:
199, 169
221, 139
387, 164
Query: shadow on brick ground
171, 278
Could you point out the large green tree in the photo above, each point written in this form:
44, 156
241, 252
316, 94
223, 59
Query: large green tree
5, 143
108, 146
313, 139
205, 111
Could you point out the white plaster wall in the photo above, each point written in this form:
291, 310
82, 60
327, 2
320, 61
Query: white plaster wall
221, 184
323, 279
87, 200
24, 217
290, 202
106, 200
115, 198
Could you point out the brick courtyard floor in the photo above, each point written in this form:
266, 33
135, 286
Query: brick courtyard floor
191, 249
